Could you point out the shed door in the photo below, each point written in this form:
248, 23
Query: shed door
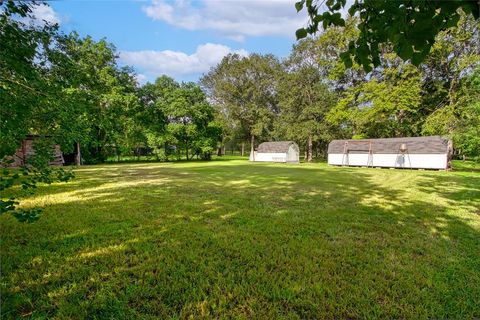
292, 154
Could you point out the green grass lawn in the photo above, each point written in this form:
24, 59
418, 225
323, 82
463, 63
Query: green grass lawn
226, 239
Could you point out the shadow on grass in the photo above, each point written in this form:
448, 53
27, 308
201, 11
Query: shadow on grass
466, 166
247, 240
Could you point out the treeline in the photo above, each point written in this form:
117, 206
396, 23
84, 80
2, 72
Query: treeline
312, 98
72, 90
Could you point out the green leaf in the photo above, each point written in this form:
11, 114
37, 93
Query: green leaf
317, 19
367, 68
353, 9
299, 5
337, 6
418, 57
301, 33
404, 51
347, 60
337, 20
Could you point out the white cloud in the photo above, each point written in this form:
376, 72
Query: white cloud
46, 13
234, 19
43, 13
176, 63
40, 14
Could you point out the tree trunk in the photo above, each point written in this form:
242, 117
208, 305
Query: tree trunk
219, 151
310, 149
252, 148
78, 157
186, 151
243, 148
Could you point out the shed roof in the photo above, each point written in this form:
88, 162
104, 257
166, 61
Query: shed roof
426, 145
275, 146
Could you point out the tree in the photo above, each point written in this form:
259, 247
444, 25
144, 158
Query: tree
179, 115
64, 89
385, 106
103, 94
244, 89
324, 52
460, 120
23, 76
454, 56
190, 120
154, 98
451, 86
304, 99
409, 26
29, 93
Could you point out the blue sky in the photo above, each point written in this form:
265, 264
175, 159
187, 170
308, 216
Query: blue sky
181, 38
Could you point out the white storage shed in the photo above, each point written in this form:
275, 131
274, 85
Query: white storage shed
277, 151
432, 152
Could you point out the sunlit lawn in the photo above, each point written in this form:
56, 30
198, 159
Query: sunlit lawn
226, 239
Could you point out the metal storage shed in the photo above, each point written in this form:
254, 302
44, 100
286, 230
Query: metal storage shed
277, 151
416, 152
27, 149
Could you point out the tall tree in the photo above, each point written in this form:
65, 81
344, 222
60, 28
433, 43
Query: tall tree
29, 98
154, 98
244, 89
325, 51
454, 56
384, 106
304, 98
179, 115
104, 94
190, 120
460, 120
24, 75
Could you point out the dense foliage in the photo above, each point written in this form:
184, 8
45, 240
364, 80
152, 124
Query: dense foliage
410, 26
245, 91
314, 98
30, 100
178, 117
69, 90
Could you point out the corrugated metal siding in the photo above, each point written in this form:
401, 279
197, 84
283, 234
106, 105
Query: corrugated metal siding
275, 147
415, 145
27, 150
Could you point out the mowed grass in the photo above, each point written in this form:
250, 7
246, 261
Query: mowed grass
233, 239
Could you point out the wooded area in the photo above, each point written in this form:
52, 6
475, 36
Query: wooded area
311, 97
73, 90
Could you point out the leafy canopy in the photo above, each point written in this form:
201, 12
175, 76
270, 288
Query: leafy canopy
409, 25
244, 90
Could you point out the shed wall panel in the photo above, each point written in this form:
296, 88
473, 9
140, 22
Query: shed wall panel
415, 161
293, 154
270, 157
